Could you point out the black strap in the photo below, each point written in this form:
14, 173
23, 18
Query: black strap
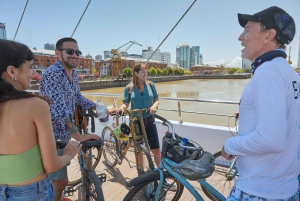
267, 57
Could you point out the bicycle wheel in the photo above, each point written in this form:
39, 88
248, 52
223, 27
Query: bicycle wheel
93, 187
146, 162
171, 192
110, 146
220, 179
74, 172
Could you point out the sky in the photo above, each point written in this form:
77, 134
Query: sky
109, 24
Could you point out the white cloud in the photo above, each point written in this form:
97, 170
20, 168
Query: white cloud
236, 62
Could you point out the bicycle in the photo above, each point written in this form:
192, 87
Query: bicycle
223, 178
82, 117
113, 152
153, 181
90, 184
225, 171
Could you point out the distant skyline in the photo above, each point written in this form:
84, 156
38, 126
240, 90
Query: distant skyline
108, 24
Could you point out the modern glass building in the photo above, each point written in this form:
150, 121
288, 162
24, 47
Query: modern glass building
2, 31
185, 54
197, 53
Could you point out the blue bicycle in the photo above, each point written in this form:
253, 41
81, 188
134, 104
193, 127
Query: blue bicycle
180, 161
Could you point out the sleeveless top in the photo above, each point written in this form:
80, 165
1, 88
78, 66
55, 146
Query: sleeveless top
18, 168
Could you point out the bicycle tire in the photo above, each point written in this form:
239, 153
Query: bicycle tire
74, 172
147, 159
137, 192
220, 180
94, 187
110, 150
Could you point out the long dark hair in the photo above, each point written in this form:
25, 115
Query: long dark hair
12, 54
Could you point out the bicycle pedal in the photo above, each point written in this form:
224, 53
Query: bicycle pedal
102, 177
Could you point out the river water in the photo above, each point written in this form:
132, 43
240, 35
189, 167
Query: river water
210, 89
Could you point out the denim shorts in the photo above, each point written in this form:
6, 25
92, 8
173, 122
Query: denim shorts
237, 195
38, 191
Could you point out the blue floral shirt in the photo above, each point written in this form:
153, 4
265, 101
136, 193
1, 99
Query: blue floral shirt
56, 85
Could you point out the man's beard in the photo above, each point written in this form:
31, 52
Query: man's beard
68, 64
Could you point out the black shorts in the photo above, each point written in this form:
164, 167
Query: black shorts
151, 131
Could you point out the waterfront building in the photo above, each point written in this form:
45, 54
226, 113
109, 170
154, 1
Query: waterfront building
48, 46
98, 57
246, 63
2, 31
197, 54
107, 54
299, 54
185, 52
201, 59
88, 56
45, 58
164, 57
193, 57
106, 67
177, 55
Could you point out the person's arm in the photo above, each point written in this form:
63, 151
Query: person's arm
269, 95
126, 100
42, 120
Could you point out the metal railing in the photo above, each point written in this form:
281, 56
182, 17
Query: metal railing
116, 97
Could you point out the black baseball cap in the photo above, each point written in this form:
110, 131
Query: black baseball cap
273, 18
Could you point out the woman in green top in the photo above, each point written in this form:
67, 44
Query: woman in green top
27, 145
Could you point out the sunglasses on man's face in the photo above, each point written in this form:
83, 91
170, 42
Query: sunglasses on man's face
71, 51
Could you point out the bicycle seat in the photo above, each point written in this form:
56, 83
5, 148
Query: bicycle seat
92, 143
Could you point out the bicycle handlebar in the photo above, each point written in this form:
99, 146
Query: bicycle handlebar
174, 135
61, 143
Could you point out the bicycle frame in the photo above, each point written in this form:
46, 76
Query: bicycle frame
134, 136
167, 164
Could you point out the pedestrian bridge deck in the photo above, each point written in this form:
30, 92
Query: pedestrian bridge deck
115, 188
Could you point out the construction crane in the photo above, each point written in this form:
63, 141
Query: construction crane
116, 59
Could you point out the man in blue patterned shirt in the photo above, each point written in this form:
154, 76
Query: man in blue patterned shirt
60, 84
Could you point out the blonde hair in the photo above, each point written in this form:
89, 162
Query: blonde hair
137, 68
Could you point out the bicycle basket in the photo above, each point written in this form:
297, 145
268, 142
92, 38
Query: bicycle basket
173, 152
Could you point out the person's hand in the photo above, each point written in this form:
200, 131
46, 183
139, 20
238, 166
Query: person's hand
72, 148
225, 155
236, 115
120, 111
87, 137
152, 110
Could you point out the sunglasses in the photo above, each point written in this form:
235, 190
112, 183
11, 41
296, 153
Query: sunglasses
71, 51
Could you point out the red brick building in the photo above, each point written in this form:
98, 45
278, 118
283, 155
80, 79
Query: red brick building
201, 69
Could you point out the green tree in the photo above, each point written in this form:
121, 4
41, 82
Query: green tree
239, 70
216, 71
231, 70
94, 70
165, 71
187, 72
152, 71
248, 70
127, 71
178, 71
168, 71
159, 72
